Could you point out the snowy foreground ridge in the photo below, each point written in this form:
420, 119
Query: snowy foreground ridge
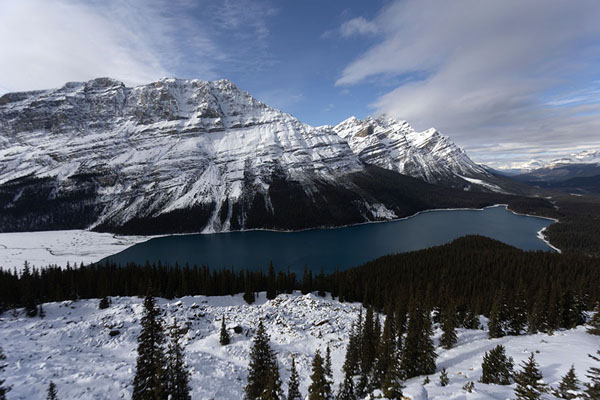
73, 347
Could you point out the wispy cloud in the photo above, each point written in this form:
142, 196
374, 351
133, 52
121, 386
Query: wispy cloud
46, 43
482, 71
358, 26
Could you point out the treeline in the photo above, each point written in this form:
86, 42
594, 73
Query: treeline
539, 291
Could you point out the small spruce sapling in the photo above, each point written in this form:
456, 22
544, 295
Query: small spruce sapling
529, 381
592, 388
294, 384
568, 386
224, 338
52, 393
444, 380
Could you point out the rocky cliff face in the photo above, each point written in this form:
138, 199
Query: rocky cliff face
393, 144
189, 156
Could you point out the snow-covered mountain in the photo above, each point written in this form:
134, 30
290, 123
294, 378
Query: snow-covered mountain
393, 144
90, 353
582, 157
189, 156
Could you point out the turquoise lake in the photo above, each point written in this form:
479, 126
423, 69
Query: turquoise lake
338, 247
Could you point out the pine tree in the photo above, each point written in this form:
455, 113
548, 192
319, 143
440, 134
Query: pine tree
529, 381
393, 383
28, 296
328, 367
148, 383
263, 372
248, 290
368, 346
449, 338
319, 388
178, 377
496, 367
418, 357
3, 390
518, 317
444, 380
495, 324
385, 352
595, 321
271, 283
104, 303
346, 389
224, 339
294, 384
52, 393
592, 388
568, 386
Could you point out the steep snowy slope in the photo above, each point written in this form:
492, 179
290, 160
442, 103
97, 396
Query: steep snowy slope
190, 156
393, 144
170, 145
72, 346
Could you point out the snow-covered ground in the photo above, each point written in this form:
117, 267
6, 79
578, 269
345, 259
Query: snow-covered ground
59, 247
72, 347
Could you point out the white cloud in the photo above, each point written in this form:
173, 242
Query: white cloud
358, 26
481, 71
45, 43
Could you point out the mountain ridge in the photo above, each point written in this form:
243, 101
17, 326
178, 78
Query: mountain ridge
191, 155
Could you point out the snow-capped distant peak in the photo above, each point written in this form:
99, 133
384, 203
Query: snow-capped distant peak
392, 143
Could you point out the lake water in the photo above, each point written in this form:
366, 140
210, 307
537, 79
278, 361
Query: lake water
342, 247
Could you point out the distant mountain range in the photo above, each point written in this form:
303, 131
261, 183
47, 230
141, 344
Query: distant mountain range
189, 156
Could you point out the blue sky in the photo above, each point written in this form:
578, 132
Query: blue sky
508, 81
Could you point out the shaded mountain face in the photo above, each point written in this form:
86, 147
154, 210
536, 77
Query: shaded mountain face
190, 156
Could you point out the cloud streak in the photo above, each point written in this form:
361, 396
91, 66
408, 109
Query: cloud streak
489, 73
46, 43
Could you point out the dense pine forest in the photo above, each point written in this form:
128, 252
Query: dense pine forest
475, 275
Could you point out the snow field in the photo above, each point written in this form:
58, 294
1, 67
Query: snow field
72, 346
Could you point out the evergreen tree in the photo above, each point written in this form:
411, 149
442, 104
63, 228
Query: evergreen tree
328, 367
3, 390
386, 352
538, 317
592, 388
248, 289
263, 372
496, 367
320, 388
393, 383
52, 393
529, 381
518, 317
368, 350
418, 357
346, 389
271, 283
224, 339
178, 377
568, 386
104, 303
595, 321
28, 295
444, 380
495, 322
449, 338
294, 384
148, 383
